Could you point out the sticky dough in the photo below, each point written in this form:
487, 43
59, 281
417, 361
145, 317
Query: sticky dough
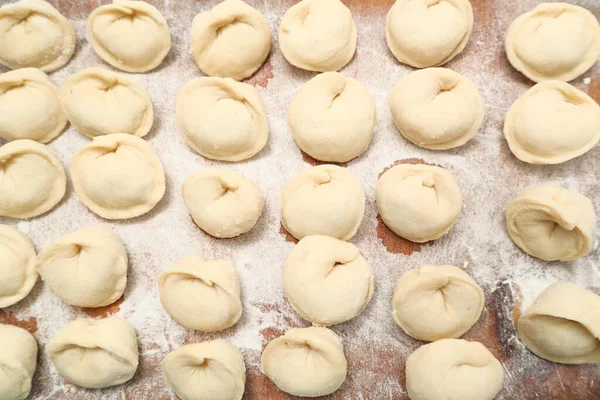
17, 267
18, 360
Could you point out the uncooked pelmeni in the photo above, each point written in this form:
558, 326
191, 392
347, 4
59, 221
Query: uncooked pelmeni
552, 223
35, 34
551, 123
17, 267
132, 36
201, 294
222, 203
323, 200
436, 302
450, 97
306, 362
86, 268
232, 40
222, 119
428, 33
32, 180
418, 202
450, 369
212, 370
332, 118
100, 102
318, 35
563, 325
118, 176
18, 360
553, 41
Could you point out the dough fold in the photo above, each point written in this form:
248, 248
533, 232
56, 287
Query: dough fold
17, 266
18, 361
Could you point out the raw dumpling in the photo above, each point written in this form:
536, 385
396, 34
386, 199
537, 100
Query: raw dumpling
118, 176
323, 200
450, 369
222, 119
101, 102
212, 370
327, 281
563, 325
551, 123
95, 353
428, 33
318, 35
418, 202
552, 223
450, 97
132, 36
17, 267
332, 118
86, 268
31, 108
32, 180
553, 41
230, 41
18, 360
45, 38
436, 302
201, 294
306, 362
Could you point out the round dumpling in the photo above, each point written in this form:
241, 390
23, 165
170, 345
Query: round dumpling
35, 34
18, 360
32, 180
222, 119
201, 294
132, 36
86, 268
306, 362
436, 302
118, 176
100, 102
221, 202
212, 370
17, 266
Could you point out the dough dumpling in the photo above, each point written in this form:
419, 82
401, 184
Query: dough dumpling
306, 362
552, 223
18, 360
17, 266
436, 302
95, 353
563, 325
86, 268
212, 370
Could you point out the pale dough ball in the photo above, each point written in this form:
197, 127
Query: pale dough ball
222, 119
551, 123
436, 302
552, 223
323, 200
201, 294
232, 40
418, 202
18, 360
101, 102
553, 41
86, 268
17, 267
132, 36
450, 369
307, 362
222, 203
563, 325
428, 33
31, 108
332, 118
118, 176
95, 353
212, 370
32, 180
318, 35
436, 108
35, 34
